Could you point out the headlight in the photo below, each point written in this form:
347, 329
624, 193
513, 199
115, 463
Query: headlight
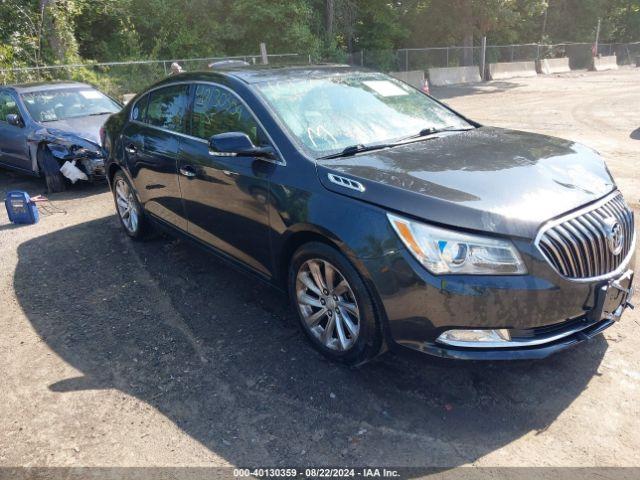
445, 251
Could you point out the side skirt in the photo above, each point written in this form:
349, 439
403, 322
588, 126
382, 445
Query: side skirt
220, 255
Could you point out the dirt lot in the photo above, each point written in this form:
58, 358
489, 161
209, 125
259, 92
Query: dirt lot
128, 354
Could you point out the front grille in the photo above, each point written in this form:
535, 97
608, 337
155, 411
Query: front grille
579, 246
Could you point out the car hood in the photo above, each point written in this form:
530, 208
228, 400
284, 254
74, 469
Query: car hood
83, 127
487, 179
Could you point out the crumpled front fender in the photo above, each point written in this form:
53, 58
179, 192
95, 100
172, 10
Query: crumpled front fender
67, 146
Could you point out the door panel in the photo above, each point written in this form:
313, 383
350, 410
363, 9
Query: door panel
152, 147
226, 203
14, 150
226, 198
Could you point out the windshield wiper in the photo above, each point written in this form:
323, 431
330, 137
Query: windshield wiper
98, 113
425, 132
355, 149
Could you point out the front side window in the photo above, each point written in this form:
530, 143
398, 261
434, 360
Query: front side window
216, 110
8, 106
329, 113
168, 108
66, 103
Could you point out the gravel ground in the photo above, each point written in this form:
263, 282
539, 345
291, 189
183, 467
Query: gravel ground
115, 353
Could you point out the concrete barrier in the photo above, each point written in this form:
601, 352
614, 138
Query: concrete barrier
503, 71
127, 97
548, 66
415, 78
600, 64
440, 77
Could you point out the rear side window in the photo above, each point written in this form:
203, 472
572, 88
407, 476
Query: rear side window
168, 107
216, 110
7, 106
140, 109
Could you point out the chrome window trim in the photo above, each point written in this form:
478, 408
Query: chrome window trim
578, 213
280, 161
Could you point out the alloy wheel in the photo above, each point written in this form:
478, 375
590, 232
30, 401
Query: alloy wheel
127, 205
327, 304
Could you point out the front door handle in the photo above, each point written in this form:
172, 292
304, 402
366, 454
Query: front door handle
131, 149
187, 171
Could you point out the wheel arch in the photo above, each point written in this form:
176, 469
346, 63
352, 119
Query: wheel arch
304, 234
111, 172
293, 241
114, 168
34, 151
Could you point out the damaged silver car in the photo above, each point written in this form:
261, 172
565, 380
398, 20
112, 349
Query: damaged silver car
53, 130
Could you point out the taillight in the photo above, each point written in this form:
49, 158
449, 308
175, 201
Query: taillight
102, 135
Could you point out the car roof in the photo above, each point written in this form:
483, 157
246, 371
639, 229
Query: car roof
46, 86
267, 73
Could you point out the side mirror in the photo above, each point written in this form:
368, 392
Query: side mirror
237, 144
14, 119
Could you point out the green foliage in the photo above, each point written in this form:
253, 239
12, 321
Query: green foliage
283, 24
37, 32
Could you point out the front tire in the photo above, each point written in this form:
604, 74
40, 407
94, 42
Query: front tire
50, 170
334, 307
130, 212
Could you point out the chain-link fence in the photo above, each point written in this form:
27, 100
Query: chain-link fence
579, 55
118, 78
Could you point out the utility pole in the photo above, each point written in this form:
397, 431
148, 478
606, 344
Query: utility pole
595, 46
263, 53
483, 58
544, 22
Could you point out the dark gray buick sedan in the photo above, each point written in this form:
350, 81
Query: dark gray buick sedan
390, 219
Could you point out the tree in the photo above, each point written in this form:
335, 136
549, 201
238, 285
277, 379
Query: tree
58, 29
20, 27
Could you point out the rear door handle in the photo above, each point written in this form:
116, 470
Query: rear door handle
187, 171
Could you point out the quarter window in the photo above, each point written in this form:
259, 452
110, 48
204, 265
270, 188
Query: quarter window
217, 110
168, 107
140, 109
8, 106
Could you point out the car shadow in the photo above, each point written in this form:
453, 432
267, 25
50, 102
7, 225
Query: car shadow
219, 354
10, 180
635, 135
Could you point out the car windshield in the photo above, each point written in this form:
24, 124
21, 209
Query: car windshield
62, 104
332, 113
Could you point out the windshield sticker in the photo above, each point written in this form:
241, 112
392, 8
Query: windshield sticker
90, 94
385, 88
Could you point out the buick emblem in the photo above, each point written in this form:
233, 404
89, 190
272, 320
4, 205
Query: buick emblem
615, 235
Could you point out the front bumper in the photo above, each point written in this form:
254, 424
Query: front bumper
94, 168
420, 306
536, 352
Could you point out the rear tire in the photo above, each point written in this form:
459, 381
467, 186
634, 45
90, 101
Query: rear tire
50, 170
335, 309
130, 212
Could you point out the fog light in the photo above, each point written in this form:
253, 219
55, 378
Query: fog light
475, 338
